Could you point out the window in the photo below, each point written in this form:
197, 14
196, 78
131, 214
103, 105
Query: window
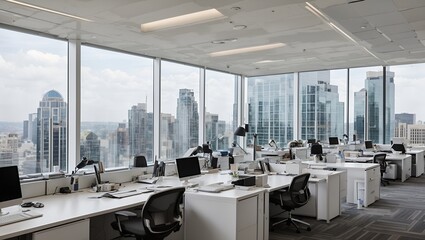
179, 129
409, 117
116, 107
366, 98
220, 109
271, 108
33, 99
322, 103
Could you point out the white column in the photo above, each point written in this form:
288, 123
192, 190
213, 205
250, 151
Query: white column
156, 108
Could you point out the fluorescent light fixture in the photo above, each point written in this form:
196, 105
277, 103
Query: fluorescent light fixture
182, 20
49, 10
247, 49
269, 61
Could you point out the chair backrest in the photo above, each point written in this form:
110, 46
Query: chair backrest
380, 158
162, 212
298, 190
316, 149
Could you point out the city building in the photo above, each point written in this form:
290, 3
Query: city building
9, 145
118, 147
409, 118
51, 132
215, 131
360, 110
90, 146
187, 122
137, 129
416, 134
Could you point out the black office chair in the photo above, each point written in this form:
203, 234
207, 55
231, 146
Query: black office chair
381, 159
317, 150
161, 215
297, 195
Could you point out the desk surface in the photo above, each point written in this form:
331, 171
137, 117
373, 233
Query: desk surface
345, 165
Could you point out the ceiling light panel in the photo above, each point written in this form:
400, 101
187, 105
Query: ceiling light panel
247, 49
49, 10
183, 20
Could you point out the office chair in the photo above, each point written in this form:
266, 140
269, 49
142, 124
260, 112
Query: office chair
317, 151
297, 195
380, 158
161, 214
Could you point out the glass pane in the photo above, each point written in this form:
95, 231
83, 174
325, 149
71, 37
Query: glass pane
116, 107
366, 110
179, 109
322, 103
33, 102
409, 117
271, 108
220, 109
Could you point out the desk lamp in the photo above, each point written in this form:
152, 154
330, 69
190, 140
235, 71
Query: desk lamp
272, 143
240, 131
84, 162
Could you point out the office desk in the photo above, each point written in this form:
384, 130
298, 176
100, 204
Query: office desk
404, 165
359, 159
417, 161
62, 209
363, 180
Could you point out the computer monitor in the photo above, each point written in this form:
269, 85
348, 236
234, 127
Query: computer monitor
311, 141
333, 141
368, 144
188, 168
10, 193
399, 148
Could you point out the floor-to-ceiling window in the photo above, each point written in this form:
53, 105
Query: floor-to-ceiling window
220, 109
367, 102
116, 106
409, 115
179, 126
322, 98
271, 108
33, 102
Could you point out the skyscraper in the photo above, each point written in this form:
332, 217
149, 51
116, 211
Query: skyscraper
322, 113
90, 146
271, 108
51, 132
360, 109
187, 122
137, 129
409, 118
118, 147
374, 86
215, 131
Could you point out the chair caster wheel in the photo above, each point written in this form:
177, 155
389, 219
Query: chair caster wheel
298, 231
309, 229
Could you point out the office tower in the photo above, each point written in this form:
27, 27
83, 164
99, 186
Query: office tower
118, 147
374, 85
401, 129
271, 109
360, 109
322, 113
90, 146
168, 123
409, 118
215, 131
416, 134
149, 137
187, 122
25, 130
9, 150
30, 128
137, 129
51, 132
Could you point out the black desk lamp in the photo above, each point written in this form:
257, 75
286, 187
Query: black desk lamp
84, 162
240, 131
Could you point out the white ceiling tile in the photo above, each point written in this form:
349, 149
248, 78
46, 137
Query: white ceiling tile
408, 4
386, 19
365, 35
414, 14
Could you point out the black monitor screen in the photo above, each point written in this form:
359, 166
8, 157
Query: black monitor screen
188, 167
311, 140
11, 186
399, 148
333, 141
368, 144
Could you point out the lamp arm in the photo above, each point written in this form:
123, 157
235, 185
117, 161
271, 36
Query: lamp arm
241, 148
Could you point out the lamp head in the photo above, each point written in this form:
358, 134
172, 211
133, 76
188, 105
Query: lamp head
240, 131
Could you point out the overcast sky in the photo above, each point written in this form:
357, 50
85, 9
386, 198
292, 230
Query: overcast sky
113, 82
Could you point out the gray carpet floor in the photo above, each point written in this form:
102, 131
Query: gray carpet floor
398, 215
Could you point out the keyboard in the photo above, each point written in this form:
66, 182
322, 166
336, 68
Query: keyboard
17, 217
216, 187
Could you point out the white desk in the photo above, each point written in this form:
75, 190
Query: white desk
359, 159
404, 165
360, 177
417, 161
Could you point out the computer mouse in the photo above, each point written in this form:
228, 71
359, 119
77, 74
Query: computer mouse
38, 205
27, 204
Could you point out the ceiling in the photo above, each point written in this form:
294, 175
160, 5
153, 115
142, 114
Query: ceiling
380, 32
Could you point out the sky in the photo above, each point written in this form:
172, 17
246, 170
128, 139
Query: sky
112, 82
